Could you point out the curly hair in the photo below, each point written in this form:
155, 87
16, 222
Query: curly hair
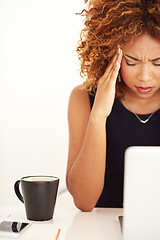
109, 23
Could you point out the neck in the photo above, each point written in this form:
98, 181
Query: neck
141, 120
139, 105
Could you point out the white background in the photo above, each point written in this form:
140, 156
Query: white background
38, 69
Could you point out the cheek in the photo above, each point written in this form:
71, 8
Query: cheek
157, 73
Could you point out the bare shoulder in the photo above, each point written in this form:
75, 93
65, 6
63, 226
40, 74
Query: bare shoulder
79, 93
79, 101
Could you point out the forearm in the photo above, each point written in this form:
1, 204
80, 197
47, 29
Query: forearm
86, 177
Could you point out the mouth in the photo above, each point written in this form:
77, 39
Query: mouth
144, 90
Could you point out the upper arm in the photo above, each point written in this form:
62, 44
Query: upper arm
78, 116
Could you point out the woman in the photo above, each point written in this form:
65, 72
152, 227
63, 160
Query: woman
118, 105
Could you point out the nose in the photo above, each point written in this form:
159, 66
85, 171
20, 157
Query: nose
145, 73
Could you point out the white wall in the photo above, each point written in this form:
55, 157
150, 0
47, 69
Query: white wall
38, 69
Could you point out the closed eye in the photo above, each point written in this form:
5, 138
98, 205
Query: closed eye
156, 64
130, 64
155, 61
130, 61
133, 64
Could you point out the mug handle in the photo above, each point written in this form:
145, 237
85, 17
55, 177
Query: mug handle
17, 191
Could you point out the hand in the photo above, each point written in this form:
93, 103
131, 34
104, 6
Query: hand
105, 94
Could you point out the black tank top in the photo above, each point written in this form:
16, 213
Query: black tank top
123, 129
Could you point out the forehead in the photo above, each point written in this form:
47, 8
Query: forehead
143, 45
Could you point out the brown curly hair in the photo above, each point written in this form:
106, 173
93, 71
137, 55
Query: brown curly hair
108, 23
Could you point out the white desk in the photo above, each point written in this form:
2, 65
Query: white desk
101, 223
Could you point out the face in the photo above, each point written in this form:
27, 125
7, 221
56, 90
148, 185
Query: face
140, 67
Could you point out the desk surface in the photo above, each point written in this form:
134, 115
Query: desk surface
101, 223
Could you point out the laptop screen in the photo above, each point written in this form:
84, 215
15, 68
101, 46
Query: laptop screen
142, 194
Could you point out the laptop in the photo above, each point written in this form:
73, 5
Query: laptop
141, 215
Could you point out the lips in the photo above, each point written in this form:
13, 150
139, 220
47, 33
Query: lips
144, 89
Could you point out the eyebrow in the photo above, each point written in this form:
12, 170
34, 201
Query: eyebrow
135, 59
155, 59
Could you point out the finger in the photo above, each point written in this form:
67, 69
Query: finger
111, 66
116, 68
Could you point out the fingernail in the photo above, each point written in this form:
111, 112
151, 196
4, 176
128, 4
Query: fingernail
118, 49
117, 63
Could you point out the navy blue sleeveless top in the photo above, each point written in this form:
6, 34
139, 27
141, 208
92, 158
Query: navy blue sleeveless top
123, 129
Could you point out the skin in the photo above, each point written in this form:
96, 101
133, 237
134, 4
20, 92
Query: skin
140, 70
87, 132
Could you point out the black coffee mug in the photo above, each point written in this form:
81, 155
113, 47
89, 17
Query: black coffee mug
39, 196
